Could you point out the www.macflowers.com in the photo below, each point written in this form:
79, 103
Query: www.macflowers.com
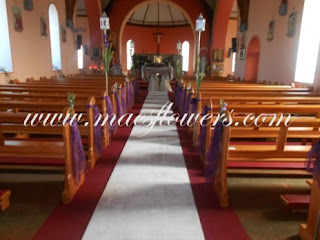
162, 117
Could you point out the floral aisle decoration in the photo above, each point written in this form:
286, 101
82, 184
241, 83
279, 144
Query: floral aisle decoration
199, 76
71, 98
108, 53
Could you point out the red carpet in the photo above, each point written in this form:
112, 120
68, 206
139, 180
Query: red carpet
70, 221
217, 223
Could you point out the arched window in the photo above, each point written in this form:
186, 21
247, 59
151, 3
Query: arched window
130, 52
54, 37
308, 44
80, 58
5, 49
185, 56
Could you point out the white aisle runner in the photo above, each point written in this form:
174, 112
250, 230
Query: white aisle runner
148, 195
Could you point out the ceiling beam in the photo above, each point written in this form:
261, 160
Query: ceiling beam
145, 14
171, 14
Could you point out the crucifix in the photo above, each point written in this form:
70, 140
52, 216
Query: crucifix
159, 35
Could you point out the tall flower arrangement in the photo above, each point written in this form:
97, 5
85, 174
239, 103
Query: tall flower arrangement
108, 53
71, 98
199, 76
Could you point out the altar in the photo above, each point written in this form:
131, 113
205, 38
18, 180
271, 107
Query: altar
162, 64
146, 72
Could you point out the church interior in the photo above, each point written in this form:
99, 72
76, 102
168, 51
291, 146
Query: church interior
159, 119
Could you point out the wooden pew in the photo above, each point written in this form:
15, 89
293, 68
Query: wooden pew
56, 107
249, 151
31, 148
307, 231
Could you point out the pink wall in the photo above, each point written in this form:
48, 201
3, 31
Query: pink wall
231, 33
277, 58
31, 54
146, 42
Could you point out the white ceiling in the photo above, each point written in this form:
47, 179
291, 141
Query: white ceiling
158, 14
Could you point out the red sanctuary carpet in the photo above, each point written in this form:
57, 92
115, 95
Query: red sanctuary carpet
217, 223
69, 221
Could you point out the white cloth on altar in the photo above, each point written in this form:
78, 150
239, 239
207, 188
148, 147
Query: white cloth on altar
149, 71
165, 84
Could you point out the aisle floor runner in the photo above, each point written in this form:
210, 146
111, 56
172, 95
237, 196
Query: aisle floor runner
148, 195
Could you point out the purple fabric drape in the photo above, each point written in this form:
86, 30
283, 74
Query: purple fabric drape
136, 87
111, 128
79, 163
182, 101
123, 99
175, 88
178, 96
186, 106
119, 106
131, 93
313, 160
203, 129
128, 99
194, 103
97, 129
214, 152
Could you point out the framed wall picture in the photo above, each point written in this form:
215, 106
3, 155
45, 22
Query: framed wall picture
271, 30
242, 54
96, 53
157, 59
63, 34
43, 27
17, 18
292, 24
218, 55
28, 5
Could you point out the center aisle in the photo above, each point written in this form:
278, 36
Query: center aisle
148, 195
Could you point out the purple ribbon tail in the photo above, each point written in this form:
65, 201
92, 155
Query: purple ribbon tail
186, 106
123, 99
136, 87
119, 106
214, 152
79, 164
194, 103
110, 113
202, 135
97, 130
313, 160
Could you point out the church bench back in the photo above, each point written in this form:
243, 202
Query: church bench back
44, 150
252, 151
57, 107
